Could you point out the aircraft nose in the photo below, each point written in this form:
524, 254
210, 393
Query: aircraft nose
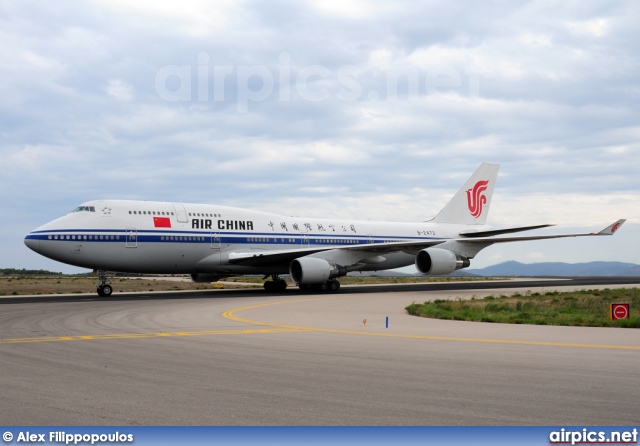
32, 242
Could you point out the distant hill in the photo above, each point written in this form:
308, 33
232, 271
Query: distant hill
513, 268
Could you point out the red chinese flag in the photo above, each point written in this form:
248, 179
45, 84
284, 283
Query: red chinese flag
162, 222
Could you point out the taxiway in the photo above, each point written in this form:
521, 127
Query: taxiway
244, 357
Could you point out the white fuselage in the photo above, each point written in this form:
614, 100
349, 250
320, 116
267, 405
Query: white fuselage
165, 238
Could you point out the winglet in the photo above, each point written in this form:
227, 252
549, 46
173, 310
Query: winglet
611, 229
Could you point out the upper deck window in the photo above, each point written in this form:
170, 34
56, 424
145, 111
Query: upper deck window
84, 209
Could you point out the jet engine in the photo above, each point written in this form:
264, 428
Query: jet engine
438, 262
205, 278
311, 270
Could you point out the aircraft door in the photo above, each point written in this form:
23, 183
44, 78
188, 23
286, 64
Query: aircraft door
304, 237
215, 240
181, 213
213, 259
131, 238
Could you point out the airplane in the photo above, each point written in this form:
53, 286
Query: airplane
212, 242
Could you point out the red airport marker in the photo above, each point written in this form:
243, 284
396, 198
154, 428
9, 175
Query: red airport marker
618, 311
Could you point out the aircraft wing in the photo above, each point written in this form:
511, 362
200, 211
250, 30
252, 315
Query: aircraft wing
352, 253
348, 255
609, 230
474, 234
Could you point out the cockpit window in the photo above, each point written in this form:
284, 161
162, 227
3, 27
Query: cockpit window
84, 209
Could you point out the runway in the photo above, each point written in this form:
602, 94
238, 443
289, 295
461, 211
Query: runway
249, 358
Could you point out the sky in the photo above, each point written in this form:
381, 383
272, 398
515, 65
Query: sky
346, 109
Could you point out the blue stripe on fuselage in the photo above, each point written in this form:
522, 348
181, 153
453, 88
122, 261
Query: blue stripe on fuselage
158, 236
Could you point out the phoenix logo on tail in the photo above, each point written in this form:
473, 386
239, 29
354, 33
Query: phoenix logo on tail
476, 198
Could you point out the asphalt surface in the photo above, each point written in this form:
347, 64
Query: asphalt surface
245, 357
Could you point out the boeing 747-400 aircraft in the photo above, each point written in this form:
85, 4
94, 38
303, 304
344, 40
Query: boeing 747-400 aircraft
211, 242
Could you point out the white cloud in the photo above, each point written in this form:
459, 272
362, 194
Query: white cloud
536, 39
346, 8
194, 17
595, 28
119, 90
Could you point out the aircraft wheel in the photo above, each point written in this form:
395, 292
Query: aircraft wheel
334, 285
282, 285
268, 286
324, 286
105, 290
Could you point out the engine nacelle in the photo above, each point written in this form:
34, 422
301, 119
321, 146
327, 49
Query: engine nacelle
438, 262
310, 270
205, 277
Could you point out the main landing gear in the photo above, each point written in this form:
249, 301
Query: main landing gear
330, 286
276, 284
104, 289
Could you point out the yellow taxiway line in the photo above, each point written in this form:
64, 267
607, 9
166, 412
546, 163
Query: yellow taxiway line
100, 337
281, 328
230, 314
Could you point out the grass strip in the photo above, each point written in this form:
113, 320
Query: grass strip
586, 308
23, 284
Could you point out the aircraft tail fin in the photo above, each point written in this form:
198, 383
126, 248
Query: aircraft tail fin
470, 205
